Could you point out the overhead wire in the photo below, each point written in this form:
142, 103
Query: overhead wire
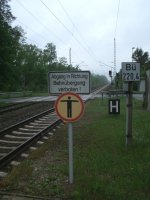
68, 30
32, 30
35, 18
77, 30
32, 41
68, 16
65, 27
89, 48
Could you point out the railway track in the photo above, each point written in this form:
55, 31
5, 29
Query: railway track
19, 137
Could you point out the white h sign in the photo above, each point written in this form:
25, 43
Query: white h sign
114, 106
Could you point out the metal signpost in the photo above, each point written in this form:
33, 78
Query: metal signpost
130, 73
69, 107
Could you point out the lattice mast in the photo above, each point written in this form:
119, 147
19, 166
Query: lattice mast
114, 72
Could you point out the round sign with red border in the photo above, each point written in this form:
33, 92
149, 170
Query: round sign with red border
69, 106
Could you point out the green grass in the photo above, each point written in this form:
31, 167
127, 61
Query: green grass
35, 94
104, 168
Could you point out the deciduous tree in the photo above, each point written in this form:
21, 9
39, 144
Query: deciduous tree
9, 42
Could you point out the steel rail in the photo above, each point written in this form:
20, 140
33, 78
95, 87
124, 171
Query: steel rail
24, 145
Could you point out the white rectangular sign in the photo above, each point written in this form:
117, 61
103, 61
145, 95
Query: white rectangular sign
130, 71
76, 81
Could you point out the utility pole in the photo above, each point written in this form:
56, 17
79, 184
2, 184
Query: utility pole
114, 73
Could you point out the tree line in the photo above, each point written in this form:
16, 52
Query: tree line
25, 66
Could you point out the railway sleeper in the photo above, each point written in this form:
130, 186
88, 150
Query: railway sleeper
3, 154
15, 163
54, 119
24, 133
30, 130
24, 155
45, 138
48, 120
46, 117
40, 142
50, 134
36, 124
53, 114
29, 126
38, 121
10, 143
6, 149
41, 119
17, 137
3, 174
33, 148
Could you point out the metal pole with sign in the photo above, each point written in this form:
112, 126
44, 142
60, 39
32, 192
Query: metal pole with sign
69, 107
130, 73
70, 142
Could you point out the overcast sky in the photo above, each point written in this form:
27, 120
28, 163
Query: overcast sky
88, 27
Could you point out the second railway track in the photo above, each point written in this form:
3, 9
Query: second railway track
17, 106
